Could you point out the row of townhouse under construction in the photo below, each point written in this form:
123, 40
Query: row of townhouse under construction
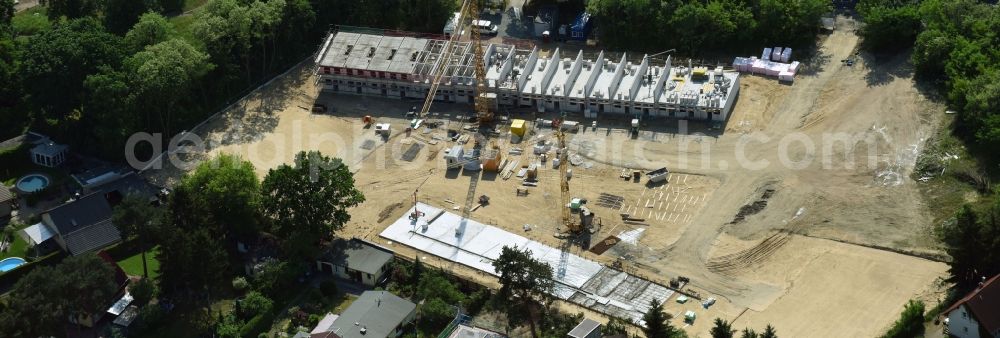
404, 66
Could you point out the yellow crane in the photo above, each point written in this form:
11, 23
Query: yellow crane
470, 9
563, 156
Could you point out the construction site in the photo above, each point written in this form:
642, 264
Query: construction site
624, 211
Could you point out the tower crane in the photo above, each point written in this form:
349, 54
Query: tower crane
470, 9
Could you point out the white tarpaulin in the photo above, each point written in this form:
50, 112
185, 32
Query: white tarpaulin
476, 245
121, 304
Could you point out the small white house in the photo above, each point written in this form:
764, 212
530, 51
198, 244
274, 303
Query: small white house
357, 260
977, 315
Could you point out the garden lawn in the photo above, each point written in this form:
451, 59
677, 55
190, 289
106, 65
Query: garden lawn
16, 249
133, 265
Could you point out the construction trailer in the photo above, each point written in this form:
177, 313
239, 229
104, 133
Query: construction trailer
454, 157
405, 67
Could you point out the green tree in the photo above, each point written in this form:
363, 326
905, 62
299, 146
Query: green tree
618, 17
253, 304
90, 283
109, 107
164, 74
228, 326
426, 15
524, 282
272, 276
143, 291
190, 255
72, 9
722, 329
769, 332
171, 6
34, 306
228, 185
135, 215
615, 326
437, 286
791, 21
930, 52
910, 323
120, 15
69, 52
435, 314
40, 302
152, 28
889, 25
657, 321
982, 107
308, 201
964, 244
749, 333
6, 14
11, 109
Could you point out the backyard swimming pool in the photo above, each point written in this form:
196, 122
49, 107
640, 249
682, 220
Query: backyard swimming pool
11, 263
32, 183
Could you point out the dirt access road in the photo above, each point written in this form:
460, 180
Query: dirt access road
872, 116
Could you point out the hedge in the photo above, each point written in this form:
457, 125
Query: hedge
9, 278
258, 324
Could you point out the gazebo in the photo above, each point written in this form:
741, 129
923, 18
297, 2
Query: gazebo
49, 154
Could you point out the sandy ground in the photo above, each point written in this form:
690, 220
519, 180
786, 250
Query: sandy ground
835, 149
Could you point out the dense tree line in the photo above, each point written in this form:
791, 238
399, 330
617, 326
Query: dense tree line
954, 45
694, 27
98, 71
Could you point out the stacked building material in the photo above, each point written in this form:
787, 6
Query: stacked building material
786, 55
782, 70
776, 54
766, 55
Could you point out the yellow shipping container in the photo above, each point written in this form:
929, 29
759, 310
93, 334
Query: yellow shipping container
517, 127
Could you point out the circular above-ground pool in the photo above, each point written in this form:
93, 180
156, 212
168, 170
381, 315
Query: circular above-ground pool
32, 183
11, 263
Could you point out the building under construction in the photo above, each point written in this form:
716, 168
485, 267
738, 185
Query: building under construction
379, 64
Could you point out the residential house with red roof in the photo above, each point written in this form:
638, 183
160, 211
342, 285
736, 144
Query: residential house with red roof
977, 315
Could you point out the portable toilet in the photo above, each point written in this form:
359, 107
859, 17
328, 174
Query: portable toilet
517, 127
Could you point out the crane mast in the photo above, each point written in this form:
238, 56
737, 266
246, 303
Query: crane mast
482, 102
